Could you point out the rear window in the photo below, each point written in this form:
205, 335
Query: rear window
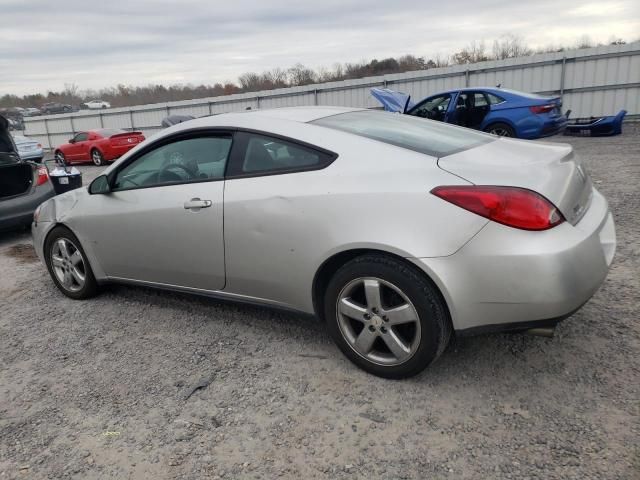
417, 134
107, 132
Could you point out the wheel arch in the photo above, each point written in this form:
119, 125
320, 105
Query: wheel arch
504, 120
84, 243
332, 264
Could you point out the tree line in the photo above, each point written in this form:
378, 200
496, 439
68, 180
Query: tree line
507, 46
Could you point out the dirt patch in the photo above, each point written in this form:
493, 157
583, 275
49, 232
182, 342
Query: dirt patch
23, 252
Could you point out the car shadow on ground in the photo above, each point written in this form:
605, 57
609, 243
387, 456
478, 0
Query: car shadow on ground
488, 353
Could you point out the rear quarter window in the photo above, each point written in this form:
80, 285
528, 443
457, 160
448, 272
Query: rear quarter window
424, 136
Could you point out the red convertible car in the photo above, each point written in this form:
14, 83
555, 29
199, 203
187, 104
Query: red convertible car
97, 146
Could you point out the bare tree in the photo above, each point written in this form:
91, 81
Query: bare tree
472, 53
301, 75
510, 46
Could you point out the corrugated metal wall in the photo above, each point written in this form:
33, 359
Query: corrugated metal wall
595, 81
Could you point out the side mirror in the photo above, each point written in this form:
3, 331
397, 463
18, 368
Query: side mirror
71, 140
99, 186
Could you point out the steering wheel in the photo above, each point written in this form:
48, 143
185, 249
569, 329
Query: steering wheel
165, 173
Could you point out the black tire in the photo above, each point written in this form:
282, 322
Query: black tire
501, 129
90, 287
58, 157
433, 317
97, 158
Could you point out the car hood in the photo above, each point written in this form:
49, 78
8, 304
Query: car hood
391, 100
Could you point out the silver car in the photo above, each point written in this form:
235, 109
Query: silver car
28, 149
396, 231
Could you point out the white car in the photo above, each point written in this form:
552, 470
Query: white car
97, 104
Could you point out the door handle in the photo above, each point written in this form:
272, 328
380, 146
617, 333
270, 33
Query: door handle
196, 204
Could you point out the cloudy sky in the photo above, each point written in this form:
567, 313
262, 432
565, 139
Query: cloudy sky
45, 44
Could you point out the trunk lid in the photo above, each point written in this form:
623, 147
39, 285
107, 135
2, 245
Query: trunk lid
15, 180
552, 170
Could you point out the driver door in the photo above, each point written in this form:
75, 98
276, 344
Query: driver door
75, 149
433, 108
162, 222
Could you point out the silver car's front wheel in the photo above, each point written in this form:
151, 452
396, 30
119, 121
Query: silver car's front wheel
386, 315
68, 264
378, 321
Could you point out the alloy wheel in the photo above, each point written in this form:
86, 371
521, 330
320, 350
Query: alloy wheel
378, 321
500, 132
96, 157
68, 264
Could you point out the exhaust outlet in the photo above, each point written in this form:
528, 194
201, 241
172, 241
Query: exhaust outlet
541, 332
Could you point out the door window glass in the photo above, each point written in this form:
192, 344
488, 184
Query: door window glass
81, 137
434, 108
266, 154
183, 161
494, 99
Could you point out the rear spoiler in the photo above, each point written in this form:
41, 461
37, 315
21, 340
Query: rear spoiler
125, 134
391, 100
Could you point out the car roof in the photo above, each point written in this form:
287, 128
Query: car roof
249, 118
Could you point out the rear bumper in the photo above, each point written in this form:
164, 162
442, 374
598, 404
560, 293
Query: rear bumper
19, 211
509, 279
538, 126
117, 151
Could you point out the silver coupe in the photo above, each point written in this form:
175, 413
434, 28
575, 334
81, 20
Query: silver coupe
396, 231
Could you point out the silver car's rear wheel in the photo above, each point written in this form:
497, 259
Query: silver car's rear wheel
386, 315
378, 321
68, 265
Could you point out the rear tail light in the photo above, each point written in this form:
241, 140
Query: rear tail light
511, 206
43, 176
542, 108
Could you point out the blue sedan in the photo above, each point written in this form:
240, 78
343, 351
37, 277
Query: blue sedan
503, 112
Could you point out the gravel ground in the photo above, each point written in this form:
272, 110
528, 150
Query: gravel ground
139, 384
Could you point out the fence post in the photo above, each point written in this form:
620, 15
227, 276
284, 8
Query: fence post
73, 127
466, 78
101, 121
168, 110
257, 101
133, 127
564, 64
315, 97
210, 109
46, 129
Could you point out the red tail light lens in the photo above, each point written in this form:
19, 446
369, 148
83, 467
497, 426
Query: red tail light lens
511, 206
542, 108
43, 176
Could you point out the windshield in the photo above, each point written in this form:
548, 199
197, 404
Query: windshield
417, 134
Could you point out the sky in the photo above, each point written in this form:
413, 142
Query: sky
46, 44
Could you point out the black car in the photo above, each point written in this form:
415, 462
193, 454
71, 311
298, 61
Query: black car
55, 107
23, 185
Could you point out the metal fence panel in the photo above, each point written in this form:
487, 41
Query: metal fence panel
595, 81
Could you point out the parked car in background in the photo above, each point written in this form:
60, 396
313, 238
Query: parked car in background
23, 184
54, 107
96, 104
395, 230
28, 149
31, 112
97, 146
502, 112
